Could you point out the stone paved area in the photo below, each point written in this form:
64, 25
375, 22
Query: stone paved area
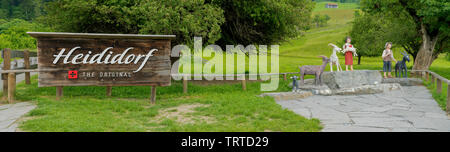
10, 113
411, 109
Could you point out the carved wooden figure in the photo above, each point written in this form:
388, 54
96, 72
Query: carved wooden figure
400, 68
316, 70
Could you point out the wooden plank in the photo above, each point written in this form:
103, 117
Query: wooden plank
11, 87
432, 79
153, 95
59, 92
244, 84
108, 91
155, 71
6, 66
439, 86
185, 84
26, 58
448, 98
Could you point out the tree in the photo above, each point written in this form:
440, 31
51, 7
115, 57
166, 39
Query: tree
430, 20
180, 17
321, 20
263, 21
370, 32
22, 9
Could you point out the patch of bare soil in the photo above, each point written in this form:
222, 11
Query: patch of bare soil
183, 114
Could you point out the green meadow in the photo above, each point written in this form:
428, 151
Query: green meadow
220, 107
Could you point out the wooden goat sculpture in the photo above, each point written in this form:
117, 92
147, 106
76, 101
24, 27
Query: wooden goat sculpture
316, 70
334, 60
401, 68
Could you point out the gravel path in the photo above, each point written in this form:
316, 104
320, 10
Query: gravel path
10, 113
411, 109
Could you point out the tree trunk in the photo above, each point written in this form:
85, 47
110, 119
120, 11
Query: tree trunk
359, 59
425, 55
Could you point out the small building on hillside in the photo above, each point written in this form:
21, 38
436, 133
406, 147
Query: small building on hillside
331, 5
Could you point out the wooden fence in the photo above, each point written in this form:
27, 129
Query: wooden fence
8, 75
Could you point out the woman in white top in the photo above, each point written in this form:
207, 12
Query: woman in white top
388, 57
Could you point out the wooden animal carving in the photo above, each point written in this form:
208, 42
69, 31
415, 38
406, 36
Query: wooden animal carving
316, 70
334, 60
400, 68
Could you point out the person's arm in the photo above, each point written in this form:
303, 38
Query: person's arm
392, 56
384, 54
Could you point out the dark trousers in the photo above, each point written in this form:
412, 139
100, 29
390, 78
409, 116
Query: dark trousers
387, 66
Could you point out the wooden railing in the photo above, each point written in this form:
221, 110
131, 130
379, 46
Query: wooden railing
438, 81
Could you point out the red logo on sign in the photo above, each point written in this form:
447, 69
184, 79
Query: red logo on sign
73, 74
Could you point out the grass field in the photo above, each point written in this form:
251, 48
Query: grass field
211, 108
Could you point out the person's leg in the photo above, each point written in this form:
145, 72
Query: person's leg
389, 69
385, 69
346, 67
351, 67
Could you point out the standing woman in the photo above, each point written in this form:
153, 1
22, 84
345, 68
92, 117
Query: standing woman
349, 52
388, 57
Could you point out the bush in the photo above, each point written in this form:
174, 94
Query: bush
13, 34
263, 21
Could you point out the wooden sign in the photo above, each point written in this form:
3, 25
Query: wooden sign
87, 59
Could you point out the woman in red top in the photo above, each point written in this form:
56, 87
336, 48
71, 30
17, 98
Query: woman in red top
349, 52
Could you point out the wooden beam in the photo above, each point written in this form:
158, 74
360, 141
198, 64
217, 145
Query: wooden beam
285, 76
153, 95
26, 59
439, 86
11, 87
448, 98
185, 84
432, 79
244, 84
59, 92
108, 91
427, 76
6, 66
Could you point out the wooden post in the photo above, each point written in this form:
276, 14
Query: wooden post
26, 59
6, 66
59, 92
285, 76
432, 79
439, 86
427, 76
185, 84
448, 98
108, 90
244, 85
423, 74
11, 86
153, 95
